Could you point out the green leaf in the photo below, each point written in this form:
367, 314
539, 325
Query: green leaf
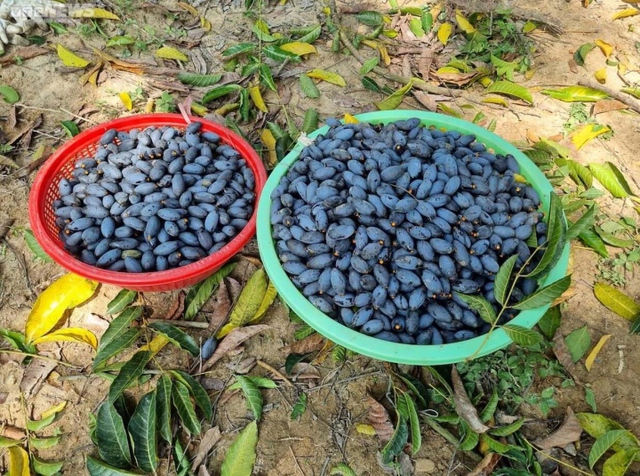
71, 128
578, 342
597, 425
17, 341
37, 425
611, 179
427, 21
581, 53
34, 246
613, 240
582, 223
266, 77
521, 335
494, 445
199, 294
121, 301
220, 91
550, 322
635, 327
99, 468
590, 398
368, 65
9, 442
508, 429
544, 295
556, 238
312, 35
415, 25
129, 373
177, 337
142, 428
300, 406
239, 49
308, 87
186, 411
576, 94
396, 444
198, 80
115, 346
310, 122
241, 455
395, 99
603, 444
120, 41
490, 408
278, 54
580, 174
508, 88
262, 382
111, 437
163, 407
618, 464
198, 392
181, 459
341, 469
370, 18
593, 241
479, 304
370, 84
252, 395
43, 443
470, 439
416, 387
414, 424
292, 360
246, 307
633, 91
9, 94
502, 280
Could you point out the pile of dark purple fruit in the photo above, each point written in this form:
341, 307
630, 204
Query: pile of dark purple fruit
381, 226
154, 199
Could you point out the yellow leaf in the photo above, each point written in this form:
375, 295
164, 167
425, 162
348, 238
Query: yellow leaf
67, 292
496, 100
529, 74
606, 48
520, 178
448, 69
167, 52
94, 13
435, 11
198, 109
384, 54
601, 75
148, 107
270, 143
72, 334
267, 300
365, 429
463, 23
126, 100
594, 353
256, 97
390, 33
299, 48
205, 24
254, 297
629, 12
54, 410
444, 32
587, 133
486, 81
349, 119
189, 8
328, 76
156, 344
18, 462
262, 26
70, 59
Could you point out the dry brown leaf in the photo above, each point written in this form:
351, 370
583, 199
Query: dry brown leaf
569, 432
24, 53
573, 66
202, 471
301, 371
459, 79
208, 441
308, 344
26, 130
532, 136
233, 340
485, 467
427, 100
13, 118
221, 308
12, 432
35, 374
234, 288
464, 407
563, 355
608, 105
378, 418
242, 367
177, 307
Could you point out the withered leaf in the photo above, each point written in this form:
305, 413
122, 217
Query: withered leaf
208, 441
308, 344
486, 466
233, 340
608, 105
221, 307
177, 307
35, 373
463, 404
569, 432
379, 419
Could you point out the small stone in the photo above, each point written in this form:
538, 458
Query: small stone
424, 466
570, 449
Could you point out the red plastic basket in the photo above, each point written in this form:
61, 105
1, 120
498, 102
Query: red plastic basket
45, 190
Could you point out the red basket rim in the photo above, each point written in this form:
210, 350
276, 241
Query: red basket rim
157, 280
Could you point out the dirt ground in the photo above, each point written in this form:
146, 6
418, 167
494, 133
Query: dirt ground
325, 435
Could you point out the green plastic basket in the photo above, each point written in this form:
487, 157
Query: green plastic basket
377, 348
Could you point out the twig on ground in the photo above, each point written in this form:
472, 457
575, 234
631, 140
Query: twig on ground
296, 460
633, 104
193, 324
274, 371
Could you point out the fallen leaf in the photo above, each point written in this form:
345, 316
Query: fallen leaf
569, 432
98, 13
269, 142
587, 134
166, 52
629, 12
301, 371
308, 344
257, 99
605, 47
222, 305
189, 8
379, 419
35, 374
328, 76
486, 466
202, 471
126, 100
24, 53
70, 59
464, 24
231, 341
601, 75
207, 442
12, 432
578, 342
365, 429
608, 105
299, 48
594, 353
177, 307
70, 334
617, 301
235, 288
243, 367
463, 404
444, 32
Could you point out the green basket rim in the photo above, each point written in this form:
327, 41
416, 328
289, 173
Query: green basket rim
377, 348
